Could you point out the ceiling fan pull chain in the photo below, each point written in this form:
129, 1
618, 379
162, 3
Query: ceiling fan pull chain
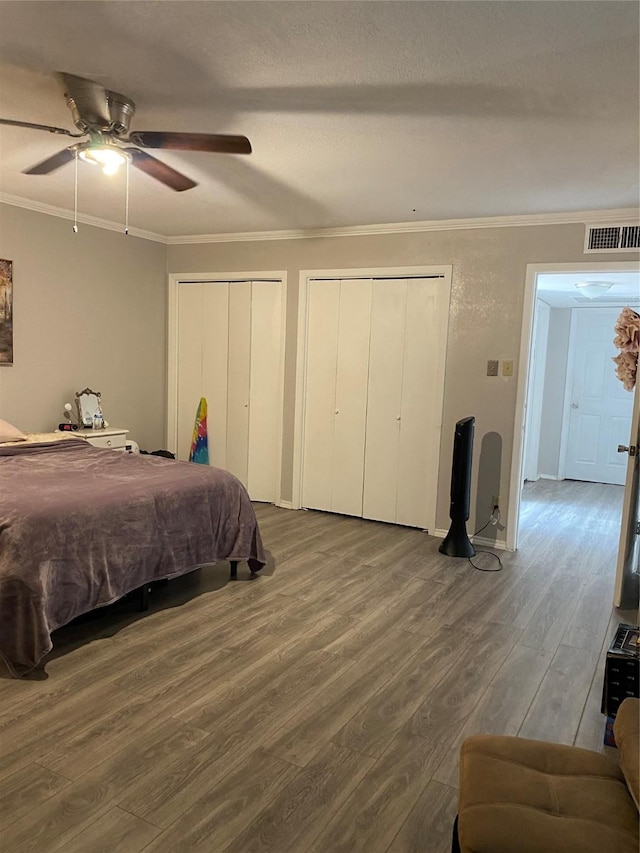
75, 197
126, 202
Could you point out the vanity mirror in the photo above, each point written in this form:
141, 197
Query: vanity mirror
89, 405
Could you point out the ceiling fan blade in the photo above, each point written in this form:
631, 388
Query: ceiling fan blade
160, 171
213, 142
88, 100
52, 163
33, 126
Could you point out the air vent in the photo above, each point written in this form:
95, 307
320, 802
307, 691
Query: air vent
630, 237
612, 238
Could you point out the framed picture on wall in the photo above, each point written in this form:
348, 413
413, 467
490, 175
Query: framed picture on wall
6, 312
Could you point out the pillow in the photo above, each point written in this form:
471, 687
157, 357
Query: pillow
9, 432
48, 437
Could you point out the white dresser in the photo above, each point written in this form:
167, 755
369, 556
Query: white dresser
112, 438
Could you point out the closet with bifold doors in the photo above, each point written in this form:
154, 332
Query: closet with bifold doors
374, 386
229, 349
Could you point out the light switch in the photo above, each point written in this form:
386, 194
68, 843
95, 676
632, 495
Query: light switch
492, 368
507, 367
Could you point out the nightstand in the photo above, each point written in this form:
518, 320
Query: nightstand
111, 437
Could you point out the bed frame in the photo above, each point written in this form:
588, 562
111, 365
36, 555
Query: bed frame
145, 589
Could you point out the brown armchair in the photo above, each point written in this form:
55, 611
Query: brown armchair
527, 796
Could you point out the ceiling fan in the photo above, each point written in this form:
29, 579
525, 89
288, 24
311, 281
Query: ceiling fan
104, 116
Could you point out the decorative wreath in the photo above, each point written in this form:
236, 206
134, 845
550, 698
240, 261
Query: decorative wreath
627, 340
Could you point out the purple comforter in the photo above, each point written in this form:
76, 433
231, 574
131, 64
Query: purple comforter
81, 527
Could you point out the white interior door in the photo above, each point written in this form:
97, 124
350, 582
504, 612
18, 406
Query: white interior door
239, 372
352, 368
189, 364
230, 350
265, 390
422, 398
336, 395
215, 353
628, 563
374, 386
384, 403
320, 397
600, 409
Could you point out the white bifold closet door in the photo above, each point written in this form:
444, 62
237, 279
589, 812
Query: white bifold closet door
374, 392
336, 395
230, 351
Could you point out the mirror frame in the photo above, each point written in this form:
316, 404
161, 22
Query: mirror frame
85, 393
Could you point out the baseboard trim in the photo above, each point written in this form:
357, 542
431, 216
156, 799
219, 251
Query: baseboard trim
498, 544
550, 477
284, 504
439, 532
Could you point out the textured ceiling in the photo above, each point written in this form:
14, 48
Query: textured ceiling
358, 113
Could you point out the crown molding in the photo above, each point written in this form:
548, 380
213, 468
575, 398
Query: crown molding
591, 217
601, 217
63, 213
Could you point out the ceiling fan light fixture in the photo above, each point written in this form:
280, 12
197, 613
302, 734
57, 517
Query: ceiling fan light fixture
108, 157
104, 115
593, 289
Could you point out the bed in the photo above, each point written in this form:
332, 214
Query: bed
80, 527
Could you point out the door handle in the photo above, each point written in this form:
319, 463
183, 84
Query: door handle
631, 450
575, 406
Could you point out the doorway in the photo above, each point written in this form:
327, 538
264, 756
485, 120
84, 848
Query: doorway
578, 412
555, 284
598, 419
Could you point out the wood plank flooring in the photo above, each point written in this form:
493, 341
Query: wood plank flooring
321, 706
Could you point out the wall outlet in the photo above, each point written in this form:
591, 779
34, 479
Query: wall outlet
492, 368
507, 367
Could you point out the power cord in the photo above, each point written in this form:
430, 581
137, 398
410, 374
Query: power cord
494, 518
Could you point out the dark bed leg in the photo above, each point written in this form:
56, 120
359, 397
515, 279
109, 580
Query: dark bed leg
144, 597
455, 841
234, 570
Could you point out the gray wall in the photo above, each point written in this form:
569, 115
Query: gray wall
89, 309
554, 385
489, 267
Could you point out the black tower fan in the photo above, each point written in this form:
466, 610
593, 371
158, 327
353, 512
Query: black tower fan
456, 543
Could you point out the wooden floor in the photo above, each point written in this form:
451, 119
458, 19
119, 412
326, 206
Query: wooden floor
321, 706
